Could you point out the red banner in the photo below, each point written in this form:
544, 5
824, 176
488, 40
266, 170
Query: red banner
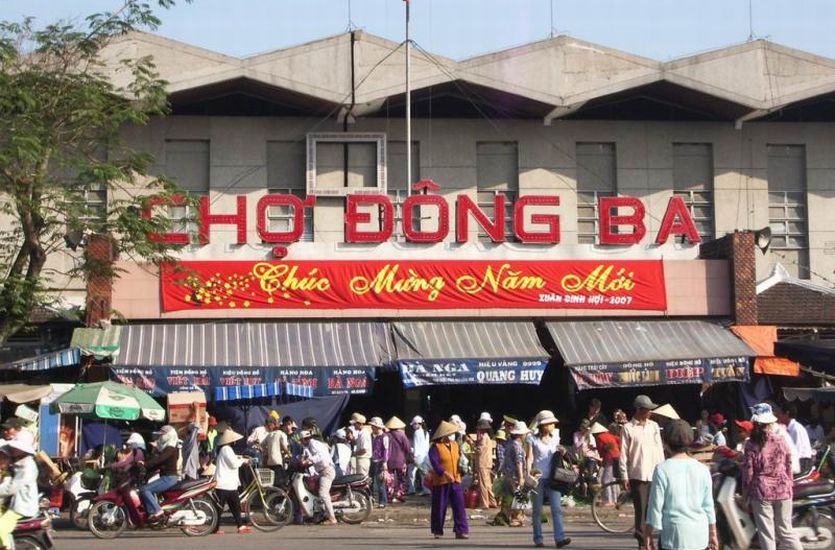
415, 284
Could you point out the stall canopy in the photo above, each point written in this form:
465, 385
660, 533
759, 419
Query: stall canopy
468, 352
609, 354
50, 360
101, 343
249, 359
819, 395
24, 393
761, 339
818, 354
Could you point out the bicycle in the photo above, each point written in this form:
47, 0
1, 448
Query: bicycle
268, 508
615, 517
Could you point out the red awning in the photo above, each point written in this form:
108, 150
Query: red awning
761, 339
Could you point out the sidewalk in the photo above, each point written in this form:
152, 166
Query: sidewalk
415, 511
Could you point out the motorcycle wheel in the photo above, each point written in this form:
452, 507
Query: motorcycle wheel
101, 525
212, 518
79, 517
272, 512
28, 543
355, 518
825, 531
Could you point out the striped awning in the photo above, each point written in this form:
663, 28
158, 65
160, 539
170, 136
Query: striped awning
276, 344
52, 360
645, 353
468, 352
101, 343
233, 393
250, 360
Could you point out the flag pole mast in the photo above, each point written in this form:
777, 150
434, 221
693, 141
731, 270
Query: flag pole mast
408, 103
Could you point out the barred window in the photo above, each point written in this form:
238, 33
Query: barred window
187, 164
497, 168
693, 182
787, 209
596, 178
286, 162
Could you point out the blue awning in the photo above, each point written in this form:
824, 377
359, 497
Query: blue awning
232, 393
63, 358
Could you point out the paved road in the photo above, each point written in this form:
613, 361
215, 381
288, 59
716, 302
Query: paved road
371, 536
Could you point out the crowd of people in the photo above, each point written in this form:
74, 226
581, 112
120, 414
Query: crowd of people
508, 465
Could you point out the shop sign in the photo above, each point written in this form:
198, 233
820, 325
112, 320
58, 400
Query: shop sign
371, 218
305, 382
417, 284
442, 372
656, 373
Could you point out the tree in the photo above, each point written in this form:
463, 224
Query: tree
64, 169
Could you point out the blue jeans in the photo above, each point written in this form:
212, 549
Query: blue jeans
149, 493
556, 512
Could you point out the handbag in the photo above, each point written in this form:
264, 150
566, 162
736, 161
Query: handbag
429, 479
562, 477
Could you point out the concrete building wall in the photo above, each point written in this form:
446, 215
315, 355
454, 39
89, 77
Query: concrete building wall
547, 165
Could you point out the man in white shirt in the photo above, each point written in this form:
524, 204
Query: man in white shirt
420, 452
362, 444
786, 415
317, 454
641, 451
275, 446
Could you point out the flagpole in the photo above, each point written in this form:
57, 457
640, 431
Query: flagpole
408, 102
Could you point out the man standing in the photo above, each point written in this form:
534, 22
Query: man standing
485, 455
641, 451
275, 446
362, 444
317, 454
786, 415
420, 450
191, 451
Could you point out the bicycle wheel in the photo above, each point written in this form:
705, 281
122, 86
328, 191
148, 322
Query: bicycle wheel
269, 509
613, 517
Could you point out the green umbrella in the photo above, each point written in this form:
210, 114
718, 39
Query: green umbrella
110, 400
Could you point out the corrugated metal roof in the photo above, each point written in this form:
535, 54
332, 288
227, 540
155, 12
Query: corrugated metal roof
467, 340
276, 344
617, 342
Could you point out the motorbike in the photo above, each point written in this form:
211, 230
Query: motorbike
34, 533
350, 496
82, 487
812, 512
187, 505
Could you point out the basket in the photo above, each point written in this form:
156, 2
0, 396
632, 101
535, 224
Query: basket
265, 476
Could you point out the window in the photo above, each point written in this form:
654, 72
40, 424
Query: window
397, 186
339, 164
787, 213
187, 164
497, 170
93, 203
596, 178
693, 182
285, 176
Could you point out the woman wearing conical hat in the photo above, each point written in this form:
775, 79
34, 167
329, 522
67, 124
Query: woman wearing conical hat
444, 456
400, 453
227, 477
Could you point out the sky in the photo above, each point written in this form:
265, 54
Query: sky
659, 29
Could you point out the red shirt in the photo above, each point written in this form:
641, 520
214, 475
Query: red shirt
608, 444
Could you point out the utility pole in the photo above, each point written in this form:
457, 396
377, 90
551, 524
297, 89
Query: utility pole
408, 101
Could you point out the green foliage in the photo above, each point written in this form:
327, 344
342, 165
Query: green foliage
63, 163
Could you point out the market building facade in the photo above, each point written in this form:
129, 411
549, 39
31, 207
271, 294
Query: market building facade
559, 213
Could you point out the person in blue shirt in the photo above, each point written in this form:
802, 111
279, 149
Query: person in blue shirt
681, 498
